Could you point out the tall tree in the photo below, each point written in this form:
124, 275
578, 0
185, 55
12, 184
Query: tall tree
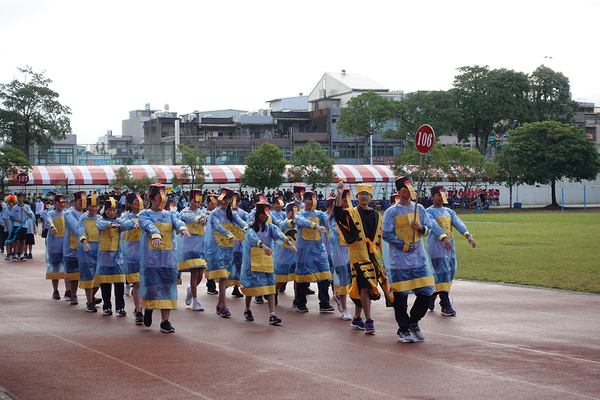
366, 115
312, 165
408, 164
546, 152
12, 162
31, 113
505, 172
490, 101
124, 179
192, 160
550, 93
265, 168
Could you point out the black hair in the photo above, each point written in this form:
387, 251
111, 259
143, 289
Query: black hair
257, 225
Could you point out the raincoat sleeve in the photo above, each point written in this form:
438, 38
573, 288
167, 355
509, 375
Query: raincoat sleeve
436, 229
73, 223
178, 224
80, 228
458, 224
219, 227
147, 225
240, 222
302, 222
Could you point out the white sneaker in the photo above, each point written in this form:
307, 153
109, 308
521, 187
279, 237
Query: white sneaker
188, 298
346, 315
127, 290
338, 302
197, 306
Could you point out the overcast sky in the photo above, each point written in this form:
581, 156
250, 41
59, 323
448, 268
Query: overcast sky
108, 58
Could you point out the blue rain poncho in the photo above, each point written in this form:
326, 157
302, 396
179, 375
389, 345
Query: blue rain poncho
442, 260
158, 267
236, 265
408, 270
191, 250
219, 248
283, 256
258, 273
342, 277
311, 260
54, 245
130, 248
71, 244
88, 260
109, 267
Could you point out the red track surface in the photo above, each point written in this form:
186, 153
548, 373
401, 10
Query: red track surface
506, 342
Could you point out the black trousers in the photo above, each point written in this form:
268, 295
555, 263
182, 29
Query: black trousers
106, 289
302, 287
417, 311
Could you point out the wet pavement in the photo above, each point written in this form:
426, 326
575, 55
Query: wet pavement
506, 342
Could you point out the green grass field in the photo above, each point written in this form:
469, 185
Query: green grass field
553, 249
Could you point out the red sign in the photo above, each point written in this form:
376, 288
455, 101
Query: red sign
424, 139
22, 178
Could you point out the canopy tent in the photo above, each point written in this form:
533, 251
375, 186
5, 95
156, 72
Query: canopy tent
104, 174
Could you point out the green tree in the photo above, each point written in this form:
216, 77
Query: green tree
550, 93
408, 164
546, 152
490, 100
265, 168
192, 160
124, 179
312, 165
366, 115
505, 174
12, 162
31, 113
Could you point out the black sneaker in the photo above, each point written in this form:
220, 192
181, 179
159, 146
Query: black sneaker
166, 327
90, 307
236, 292
15, 258
55, 295
67, 295
283, 287
273, 320
74, 301
121, 313
97, 300
259, 300
30, 255
107, 311
147, 317
248, 315
301, 309
310, 291
326, 307
139, 318
23, 258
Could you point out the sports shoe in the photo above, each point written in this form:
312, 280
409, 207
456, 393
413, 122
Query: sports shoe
67, 295
166, 327
448, 311
7, 258
121, 313
55, 295
90, 307
369, 327
432, 301
197, 306
357, 323
97, 300
236, 292
326, 307
211, 287
15, 258
404, 336
259, 300
139, 318
107, 311
223, 312
30, 255
346, 315
337, 300
416, 332
273, 320
248, 315
147, 317
283, 287
310, 291
127, 291
74, 301
301, 309
188, 297
23, 258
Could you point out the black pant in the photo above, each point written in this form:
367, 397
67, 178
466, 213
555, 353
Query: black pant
106, 292
418, 310
302, 287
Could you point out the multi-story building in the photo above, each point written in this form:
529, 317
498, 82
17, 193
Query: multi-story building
588, 119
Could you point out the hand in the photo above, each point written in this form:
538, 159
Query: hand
114, 225
185, 233
266, 249
416, 225
340, 187
233, 240
86, 246
54, 231
156, 243
321, 229
471, 241
203, 221
447, 244
138, 227
412, 247
293, 248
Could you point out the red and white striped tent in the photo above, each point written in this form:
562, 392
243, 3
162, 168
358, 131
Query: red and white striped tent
103, 175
